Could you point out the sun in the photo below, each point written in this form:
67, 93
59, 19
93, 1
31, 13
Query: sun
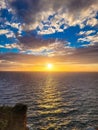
49, 66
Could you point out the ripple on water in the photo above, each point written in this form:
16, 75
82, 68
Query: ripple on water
56, 101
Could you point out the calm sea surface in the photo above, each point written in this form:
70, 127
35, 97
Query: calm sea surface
56, 101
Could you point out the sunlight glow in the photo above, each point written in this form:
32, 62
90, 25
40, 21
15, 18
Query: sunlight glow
49, 66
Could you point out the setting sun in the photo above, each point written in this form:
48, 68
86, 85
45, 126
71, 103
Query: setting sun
49, 66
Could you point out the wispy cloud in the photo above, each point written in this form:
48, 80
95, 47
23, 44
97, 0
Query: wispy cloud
92, 39
11, 46
2, 32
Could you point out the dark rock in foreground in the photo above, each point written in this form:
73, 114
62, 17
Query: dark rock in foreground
13, 118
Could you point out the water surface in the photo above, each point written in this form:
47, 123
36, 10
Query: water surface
56, 101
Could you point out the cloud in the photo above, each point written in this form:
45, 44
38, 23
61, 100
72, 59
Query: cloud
2, 4
32, 41
73, 11
58, 48
11, 46
10, 25
80, 56
48, 17
26, 9
87, 55
3, 32
86, 33
57, 53
23, 58
92, 22
57, 23
7, 33
36, 45
1, 46
14, 45
89, 36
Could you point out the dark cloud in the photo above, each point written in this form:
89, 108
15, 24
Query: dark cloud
73, 5
28, 9
87, 55
78, 5
33, 42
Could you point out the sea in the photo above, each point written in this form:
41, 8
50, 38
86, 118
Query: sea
55, 100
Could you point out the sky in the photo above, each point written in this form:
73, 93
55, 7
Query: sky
34, 33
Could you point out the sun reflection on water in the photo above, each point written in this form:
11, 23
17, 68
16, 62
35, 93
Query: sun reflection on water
50, 103
50, 96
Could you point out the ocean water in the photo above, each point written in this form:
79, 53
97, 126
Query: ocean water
56, 101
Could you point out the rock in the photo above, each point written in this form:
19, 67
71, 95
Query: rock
13, 118
90, 128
